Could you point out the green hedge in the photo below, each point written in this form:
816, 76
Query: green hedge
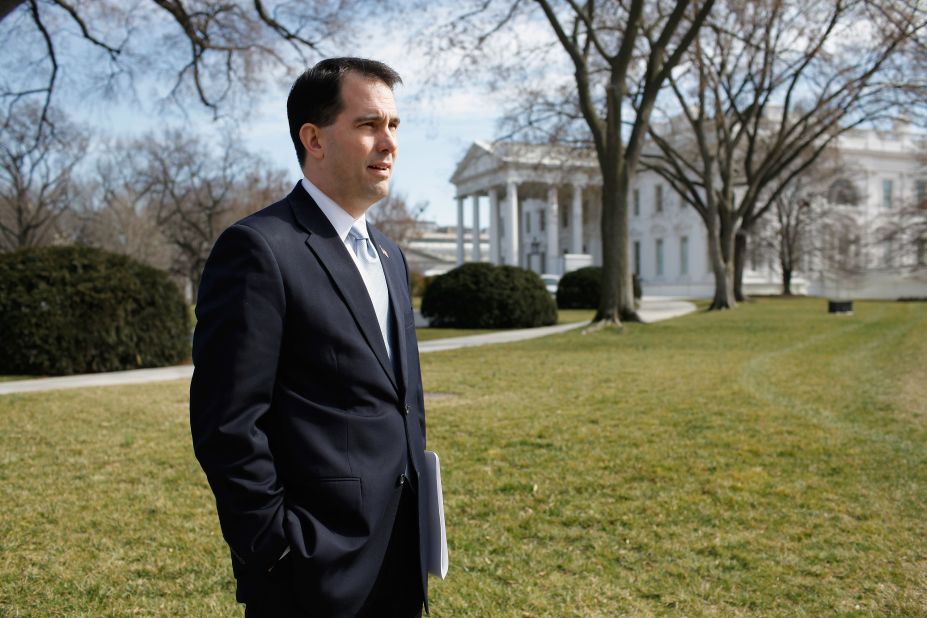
67, 310
480, 295
582, 288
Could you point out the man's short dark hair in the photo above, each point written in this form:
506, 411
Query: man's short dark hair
316, 94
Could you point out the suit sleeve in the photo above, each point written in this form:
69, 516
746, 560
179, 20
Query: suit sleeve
236, 345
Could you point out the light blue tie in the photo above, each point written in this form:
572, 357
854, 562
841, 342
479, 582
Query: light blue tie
371, 271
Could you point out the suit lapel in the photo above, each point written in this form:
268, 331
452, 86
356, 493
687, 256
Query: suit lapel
323, 241
396, 283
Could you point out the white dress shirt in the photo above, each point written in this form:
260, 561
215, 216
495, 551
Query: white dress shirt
342, 221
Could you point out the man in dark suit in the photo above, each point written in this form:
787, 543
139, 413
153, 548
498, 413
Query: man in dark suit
306, 405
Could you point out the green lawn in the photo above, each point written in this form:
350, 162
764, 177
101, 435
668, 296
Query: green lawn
766, 461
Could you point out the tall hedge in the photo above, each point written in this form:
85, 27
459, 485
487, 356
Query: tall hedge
480, 295
67, 310
582, 288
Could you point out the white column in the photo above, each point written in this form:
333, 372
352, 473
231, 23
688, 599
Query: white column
553, 232
512, 224
475, 199
460, 230
576, 224
494, 225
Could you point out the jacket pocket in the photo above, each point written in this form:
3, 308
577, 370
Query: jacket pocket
335, 502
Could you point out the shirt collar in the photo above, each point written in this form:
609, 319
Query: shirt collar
336, 215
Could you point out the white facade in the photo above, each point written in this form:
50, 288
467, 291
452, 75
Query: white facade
542, 207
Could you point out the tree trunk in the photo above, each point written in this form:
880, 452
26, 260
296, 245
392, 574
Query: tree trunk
617, 300
786, 281
609, 312
740, 259
721, 251
627, 308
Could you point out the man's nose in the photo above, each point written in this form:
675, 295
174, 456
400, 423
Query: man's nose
387, 141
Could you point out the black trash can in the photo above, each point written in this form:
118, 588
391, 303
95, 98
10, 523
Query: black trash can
840, 307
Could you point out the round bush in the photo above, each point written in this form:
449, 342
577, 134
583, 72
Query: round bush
582, 288
480, 295
67, 310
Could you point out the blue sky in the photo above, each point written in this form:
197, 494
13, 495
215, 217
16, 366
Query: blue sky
437, 126
432, 139
436, 131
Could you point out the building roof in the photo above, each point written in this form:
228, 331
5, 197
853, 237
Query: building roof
483, 157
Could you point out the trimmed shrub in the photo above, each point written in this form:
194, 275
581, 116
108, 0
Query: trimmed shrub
67, 310
480, 295
582, 288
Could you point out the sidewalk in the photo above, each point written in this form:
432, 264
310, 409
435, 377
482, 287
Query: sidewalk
651, 310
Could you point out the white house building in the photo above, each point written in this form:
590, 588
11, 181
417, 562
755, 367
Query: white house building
542, 207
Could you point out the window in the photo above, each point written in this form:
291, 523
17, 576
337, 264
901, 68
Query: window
754, 255
887, 193
527, 222
922, 251
565, 219
542, 223
658, 198
684, 255
842, 192
659, 257
920, 189
637, 258
637, 202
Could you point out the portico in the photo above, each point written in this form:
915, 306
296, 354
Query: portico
541, 205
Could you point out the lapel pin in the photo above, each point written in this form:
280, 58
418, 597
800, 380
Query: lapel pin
383, 251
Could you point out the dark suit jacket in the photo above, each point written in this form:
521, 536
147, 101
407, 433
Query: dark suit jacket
301, 422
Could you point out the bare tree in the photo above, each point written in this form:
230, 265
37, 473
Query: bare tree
213, 51
399, 221
802, 208
118, 217
620, 53
768, 86
195, 193
37, 177
904, 236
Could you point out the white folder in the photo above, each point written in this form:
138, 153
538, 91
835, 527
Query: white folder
437, 535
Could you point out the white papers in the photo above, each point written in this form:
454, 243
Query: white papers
437, 535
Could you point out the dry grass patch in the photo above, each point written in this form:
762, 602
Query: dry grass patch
769, 461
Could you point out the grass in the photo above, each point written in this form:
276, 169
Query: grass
766, 461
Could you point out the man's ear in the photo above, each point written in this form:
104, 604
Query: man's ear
311, 138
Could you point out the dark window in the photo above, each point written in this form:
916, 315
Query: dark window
659, 248
684, 255
842, 191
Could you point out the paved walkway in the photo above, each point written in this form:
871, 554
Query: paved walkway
651, 310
